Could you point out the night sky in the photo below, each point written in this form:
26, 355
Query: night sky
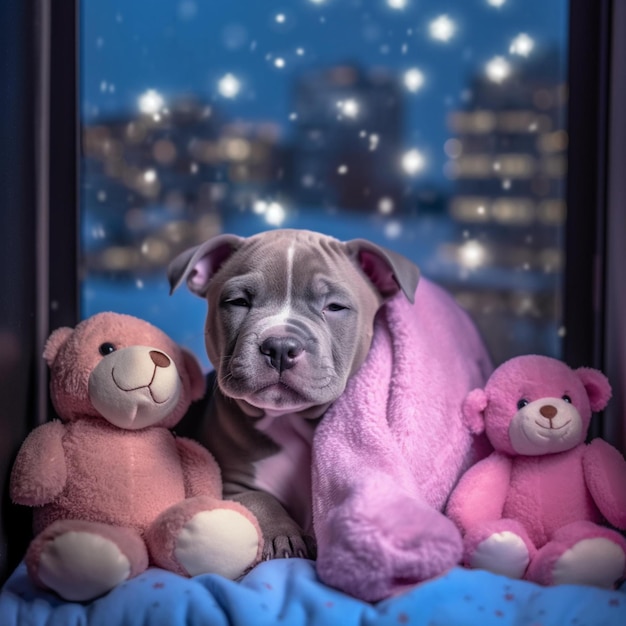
186, 46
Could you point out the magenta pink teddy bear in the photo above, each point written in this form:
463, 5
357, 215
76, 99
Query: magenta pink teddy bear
539, 506
113, 489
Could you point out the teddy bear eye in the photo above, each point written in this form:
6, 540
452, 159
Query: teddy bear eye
106, 348
567, 399
522, 403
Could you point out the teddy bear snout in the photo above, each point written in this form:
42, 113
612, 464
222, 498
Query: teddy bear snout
159, 359
548, 411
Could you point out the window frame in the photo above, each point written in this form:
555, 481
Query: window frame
42, 158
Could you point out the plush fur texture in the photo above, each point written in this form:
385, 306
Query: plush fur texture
389, 451
113, 489
538, 507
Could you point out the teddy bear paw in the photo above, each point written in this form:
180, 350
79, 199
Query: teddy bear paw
599, 562
503, 553
81, 566
219, 541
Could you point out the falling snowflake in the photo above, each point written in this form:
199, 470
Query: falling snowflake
151, 102
472, 254
279, 62
349, 108
275, 214
229, 86
397, 4
385, 205
413, 162
442, 28
522, 45
187, 10
413, 79
498, 69
273, 211
393, 230
496, 3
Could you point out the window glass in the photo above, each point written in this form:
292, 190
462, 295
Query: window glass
436, 128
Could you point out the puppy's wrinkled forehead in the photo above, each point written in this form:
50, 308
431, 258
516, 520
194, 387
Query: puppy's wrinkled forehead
279, 266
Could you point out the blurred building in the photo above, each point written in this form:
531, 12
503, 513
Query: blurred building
348, 138
507, 161
160, 181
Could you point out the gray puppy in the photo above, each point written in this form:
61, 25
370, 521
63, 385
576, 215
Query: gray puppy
290, 319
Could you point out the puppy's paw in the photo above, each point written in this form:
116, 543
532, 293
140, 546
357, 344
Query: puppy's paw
286, 546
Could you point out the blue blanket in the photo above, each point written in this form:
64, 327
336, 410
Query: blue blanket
289, 592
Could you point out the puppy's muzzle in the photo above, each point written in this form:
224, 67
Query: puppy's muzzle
282, 353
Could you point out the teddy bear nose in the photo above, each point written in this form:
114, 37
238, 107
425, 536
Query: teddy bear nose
159, 359
548, 411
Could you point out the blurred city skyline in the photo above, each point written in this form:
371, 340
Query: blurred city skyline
436, 128
244, 57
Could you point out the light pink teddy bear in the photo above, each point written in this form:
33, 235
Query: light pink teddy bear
113, 489
539, 506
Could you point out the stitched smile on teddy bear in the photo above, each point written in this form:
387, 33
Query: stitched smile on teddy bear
545, 425
134, 387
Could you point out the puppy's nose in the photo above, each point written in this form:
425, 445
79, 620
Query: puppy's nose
282, 352
159, 359
547, 410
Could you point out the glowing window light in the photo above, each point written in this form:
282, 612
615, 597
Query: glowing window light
151, 102
442, 28
522, 45
229, 86
413, 79
498, 69
413, 162
453, 148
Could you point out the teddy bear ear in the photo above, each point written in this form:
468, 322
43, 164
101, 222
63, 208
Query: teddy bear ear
474, 406
596, 385
54, 343
197, 382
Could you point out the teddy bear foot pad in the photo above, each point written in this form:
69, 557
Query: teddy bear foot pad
597, 561
205, 544
81, 566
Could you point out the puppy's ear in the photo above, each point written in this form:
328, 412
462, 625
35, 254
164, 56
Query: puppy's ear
389, 271
198, 265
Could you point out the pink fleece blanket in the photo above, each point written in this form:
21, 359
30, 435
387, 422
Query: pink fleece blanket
388, 453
